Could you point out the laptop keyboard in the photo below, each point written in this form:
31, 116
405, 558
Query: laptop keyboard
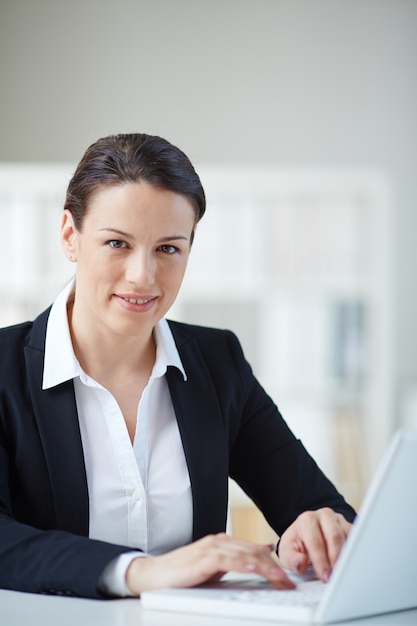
243, 596
306, 594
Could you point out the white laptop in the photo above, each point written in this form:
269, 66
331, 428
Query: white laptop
376, 572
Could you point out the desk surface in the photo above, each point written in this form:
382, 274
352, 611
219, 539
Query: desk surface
25, 609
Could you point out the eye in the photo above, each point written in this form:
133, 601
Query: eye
168, 249
116, 244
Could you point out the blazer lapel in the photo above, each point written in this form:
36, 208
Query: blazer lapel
203, 435
56, 416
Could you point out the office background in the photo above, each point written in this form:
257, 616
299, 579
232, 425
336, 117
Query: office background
301, 118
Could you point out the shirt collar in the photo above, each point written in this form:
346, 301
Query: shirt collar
61, 364
166, 350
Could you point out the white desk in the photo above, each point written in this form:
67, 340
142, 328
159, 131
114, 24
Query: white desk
25, 609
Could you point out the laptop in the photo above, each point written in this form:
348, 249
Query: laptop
376, 572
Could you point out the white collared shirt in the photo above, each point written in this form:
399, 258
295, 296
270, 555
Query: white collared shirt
139, 495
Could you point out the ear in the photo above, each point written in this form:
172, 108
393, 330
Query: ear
69, 236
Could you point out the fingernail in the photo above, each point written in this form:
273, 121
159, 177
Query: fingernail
326, 576
250, 567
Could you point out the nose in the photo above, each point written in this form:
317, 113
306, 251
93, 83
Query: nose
141, 269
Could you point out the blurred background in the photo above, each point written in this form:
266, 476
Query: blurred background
300, 117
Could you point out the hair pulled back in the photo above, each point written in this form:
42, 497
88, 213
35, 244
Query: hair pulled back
133, 158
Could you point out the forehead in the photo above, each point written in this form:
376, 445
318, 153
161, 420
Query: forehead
138, 197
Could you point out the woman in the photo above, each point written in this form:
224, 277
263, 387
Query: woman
119, 429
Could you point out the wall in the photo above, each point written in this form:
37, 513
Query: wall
290, 83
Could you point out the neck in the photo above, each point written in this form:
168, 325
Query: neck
106, 356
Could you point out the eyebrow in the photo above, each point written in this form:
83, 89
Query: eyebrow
129, 236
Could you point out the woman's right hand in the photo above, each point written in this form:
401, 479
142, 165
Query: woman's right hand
205, 560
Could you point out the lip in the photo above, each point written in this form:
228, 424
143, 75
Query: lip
135, 302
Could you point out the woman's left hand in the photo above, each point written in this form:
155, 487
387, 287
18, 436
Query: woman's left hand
316, 538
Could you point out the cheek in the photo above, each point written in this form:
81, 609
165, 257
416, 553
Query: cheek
174, 268
172, 280
180, 270
172, 275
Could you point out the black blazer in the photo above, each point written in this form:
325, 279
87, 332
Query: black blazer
229, 427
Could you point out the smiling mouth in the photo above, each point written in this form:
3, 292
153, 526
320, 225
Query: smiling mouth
133, 301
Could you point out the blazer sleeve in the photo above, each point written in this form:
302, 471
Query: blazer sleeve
268, 461
42, 550
51, 561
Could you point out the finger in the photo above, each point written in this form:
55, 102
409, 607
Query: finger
309, 531
272, 573
334, 533
216, 577
299, 558
325, 535
291, 550
231, 554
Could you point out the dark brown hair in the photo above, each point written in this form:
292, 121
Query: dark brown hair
133, 158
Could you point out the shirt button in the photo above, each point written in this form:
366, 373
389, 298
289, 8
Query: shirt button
136, 495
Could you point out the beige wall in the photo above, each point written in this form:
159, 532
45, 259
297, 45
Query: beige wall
287, 82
